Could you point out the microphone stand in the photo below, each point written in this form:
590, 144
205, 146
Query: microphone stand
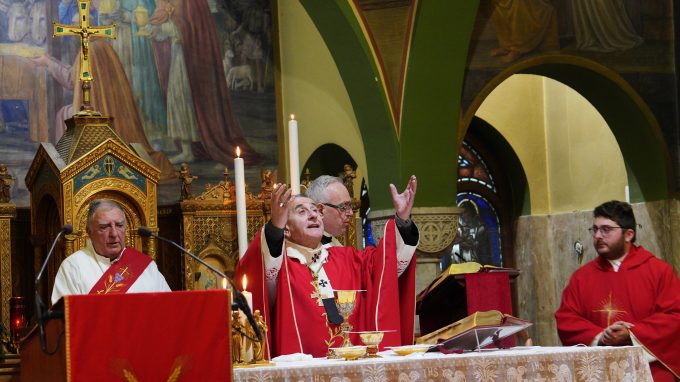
40, 307
239, 300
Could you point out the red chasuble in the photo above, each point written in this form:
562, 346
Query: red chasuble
297, 321
123, 273
645, 291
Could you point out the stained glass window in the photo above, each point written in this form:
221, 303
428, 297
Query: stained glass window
478, 236
472, 168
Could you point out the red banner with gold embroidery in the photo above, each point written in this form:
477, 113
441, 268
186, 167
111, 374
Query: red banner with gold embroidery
123, 273
177, 336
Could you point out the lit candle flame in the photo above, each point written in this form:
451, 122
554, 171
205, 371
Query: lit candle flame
238, 152
224, 283
292, 116
245, 282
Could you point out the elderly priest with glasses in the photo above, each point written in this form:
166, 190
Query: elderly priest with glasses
294, 277
335, 205
626, 296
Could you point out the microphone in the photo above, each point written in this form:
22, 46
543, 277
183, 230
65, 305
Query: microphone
40, 307
239, 299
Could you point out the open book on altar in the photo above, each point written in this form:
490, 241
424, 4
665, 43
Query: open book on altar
475, 331
461, 269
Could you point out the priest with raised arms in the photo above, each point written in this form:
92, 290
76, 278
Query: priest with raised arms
292, 277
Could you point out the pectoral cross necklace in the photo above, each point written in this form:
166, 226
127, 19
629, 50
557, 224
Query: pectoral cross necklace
317, 293
315, 278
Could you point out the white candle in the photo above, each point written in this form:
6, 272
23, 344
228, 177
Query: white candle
246, 294
293, 155
627, 191
249, 299
241, 218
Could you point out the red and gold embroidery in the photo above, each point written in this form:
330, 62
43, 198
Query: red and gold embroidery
117, 282
317, 293
334, 333
610, 309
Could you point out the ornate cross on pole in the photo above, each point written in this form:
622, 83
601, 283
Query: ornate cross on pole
85, 31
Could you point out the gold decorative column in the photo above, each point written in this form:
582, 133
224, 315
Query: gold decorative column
151, 247
437, 226
8, 212
68, 243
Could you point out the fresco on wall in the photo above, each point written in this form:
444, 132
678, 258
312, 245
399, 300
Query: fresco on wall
189, 80
634, 38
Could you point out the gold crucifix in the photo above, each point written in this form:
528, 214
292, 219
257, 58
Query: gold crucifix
610, 309
85, 31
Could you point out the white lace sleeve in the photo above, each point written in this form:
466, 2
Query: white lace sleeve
272, 266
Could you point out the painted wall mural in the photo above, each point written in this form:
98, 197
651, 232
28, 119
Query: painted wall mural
189, 80
633, 38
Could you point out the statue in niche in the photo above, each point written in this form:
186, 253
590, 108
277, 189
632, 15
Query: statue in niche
228, 185
348, 175
187, 178
306, 180
7, 180
268, 179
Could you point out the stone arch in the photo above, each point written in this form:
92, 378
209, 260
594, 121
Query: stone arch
626, 113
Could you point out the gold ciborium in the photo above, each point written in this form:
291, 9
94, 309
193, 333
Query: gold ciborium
345, 300
372, 339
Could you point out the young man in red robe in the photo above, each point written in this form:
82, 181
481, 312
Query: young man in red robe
626, 296
294, 277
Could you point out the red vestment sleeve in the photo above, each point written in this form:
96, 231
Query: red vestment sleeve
572, 325
660, 331
252, 265
391, 299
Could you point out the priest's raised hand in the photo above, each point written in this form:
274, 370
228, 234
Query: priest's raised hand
403, 203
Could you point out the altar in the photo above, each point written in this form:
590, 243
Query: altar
536, 363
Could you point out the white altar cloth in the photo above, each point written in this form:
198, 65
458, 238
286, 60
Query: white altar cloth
579, 363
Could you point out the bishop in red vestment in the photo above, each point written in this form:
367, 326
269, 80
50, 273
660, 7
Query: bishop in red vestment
625, 296
294, 277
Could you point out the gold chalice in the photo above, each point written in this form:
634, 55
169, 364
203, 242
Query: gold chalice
372, 339
346, 301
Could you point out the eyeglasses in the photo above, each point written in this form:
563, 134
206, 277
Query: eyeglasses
605, 230
343, 208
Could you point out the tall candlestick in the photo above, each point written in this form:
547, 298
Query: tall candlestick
293, 155
241, 218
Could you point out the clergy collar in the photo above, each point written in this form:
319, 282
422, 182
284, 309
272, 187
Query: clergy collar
616, 263
317, 256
